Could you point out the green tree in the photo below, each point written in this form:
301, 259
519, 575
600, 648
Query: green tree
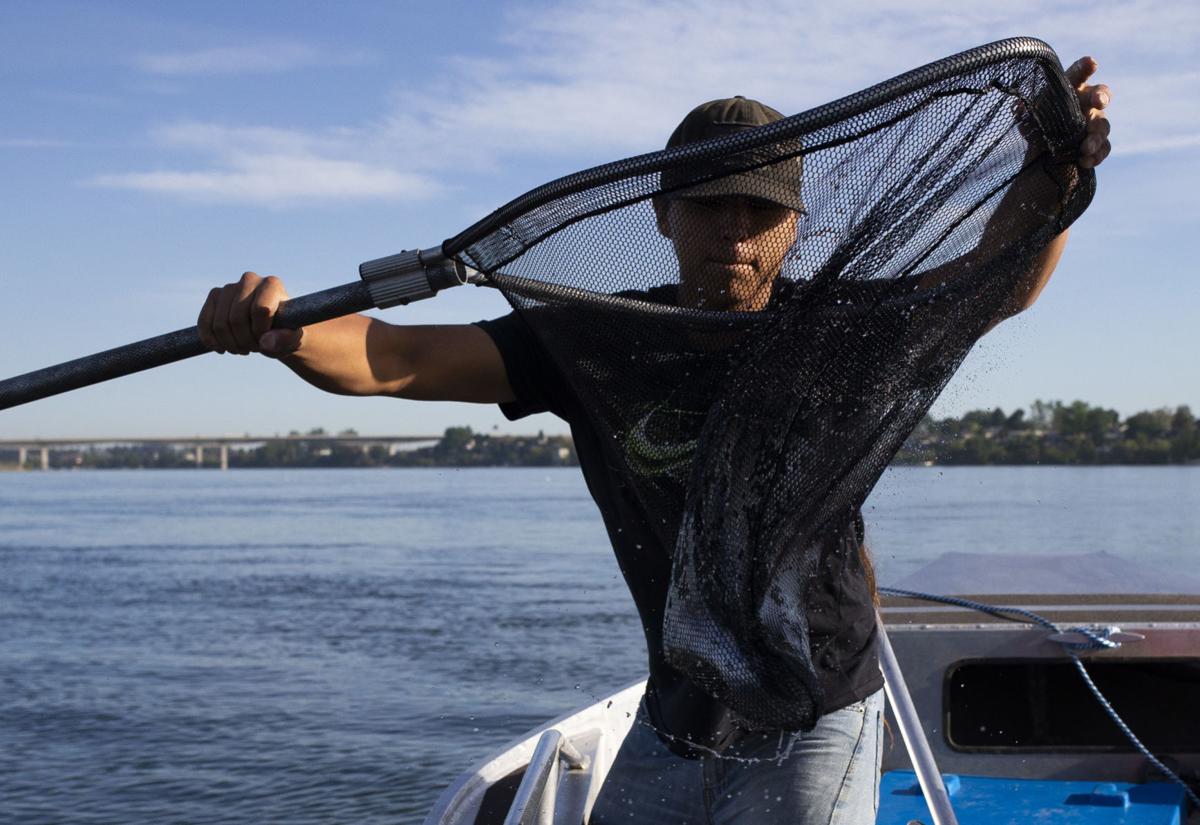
1041, 413
1185, 436
1079, 418
1183, 421
1151, 424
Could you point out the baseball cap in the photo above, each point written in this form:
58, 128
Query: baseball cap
777, 181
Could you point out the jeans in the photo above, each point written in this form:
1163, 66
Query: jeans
827, 775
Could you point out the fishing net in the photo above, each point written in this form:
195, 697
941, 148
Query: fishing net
755, 322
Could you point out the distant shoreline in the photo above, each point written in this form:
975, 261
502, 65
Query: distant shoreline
1052, 434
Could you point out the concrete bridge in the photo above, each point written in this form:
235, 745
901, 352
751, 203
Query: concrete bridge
198, 443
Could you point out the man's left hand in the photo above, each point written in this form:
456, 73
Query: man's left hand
1093, 100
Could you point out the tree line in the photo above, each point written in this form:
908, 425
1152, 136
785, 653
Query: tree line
1050, 432
458, 447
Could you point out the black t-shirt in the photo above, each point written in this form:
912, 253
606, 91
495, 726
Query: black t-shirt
841, 613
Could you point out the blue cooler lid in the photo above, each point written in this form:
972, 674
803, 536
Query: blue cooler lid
984, 800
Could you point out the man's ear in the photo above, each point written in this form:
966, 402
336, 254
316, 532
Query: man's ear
661, 207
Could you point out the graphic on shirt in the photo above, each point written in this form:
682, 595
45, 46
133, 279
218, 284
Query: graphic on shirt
662, 441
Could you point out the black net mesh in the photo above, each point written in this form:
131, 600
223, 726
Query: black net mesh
755, 323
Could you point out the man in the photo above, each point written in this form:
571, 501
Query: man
686, 759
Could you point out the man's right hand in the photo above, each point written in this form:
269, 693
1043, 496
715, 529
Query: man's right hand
237, 318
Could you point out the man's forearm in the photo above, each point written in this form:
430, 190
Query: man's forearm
1031, 284
1014, 217
357, 355
1017, 215
351, 356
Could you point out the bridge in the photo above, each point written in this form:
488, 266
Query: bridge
198, 443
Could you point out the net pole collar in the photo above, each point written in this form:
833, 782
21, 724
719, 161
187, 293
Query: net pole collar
411, 275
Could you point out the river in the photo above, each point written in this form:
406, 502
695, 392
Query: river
321, 646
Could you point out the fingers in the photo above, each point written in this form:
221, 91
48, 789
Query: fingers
267, 297
1090, 97
231, 323
1095, 147
1093, 100
1095, 97
1098, 129
205, 322
272, 343
1081, 70
236, 317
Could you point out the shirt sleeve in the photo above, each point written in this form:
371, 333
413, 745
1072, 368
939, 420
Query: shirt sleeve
535, 380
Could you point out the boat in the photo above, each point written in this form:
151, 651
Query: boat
1016, 734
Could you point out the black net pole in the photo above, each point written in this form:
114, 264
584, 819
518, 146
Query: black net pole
173, 346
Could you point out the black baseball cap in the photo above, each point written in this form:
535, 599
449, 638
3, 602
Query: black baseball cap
775, 181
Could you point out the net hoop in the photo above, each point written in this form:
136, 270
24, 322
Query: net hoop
653, 162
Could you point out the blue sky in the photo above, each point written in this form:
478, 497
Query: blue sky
150, 151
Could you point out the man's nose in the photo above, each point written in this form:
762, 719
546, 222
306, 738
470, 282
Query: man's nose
735, 220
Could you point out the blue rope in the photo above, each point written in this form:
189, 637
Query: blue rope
1097, 639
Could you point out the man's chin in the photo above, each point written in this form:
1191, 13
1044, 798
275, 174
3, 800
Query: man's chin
730, 302
745, 292
729, 287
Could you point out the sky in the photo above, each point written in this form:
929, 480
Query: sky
150, 151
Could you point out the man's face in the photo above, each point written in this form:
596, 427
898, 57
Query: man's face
730, 249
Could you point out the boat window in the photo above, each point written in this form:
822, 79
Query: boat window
1043, 705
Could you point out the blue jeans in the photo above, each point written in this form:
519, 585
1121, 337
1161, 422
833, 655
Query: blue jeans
827, 775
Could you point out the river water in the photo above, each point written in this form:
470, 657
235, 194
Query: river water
336, 645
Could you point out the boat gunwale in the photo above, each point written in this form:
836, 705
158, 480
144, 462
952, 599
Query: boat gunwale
1158, 609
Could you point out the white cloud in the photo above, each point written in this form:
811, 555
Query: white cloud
251, 59
209, 137
588, 82
276, 181
1163, 144
1153, 109
270, 167
601, 79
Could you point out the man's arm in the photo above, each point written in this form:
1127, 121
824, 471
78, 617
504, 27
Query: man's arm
357, 355
1094, 148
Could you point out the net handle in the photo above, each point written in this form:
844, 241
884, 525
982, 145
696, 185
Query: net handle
171, 347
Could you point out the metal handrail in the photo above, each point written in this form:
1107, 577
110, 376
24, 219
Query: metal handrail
535, 797
909, 722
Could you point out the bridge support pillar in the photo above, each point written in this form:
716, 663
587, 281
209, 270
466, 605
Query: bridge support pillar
45, 458
22, 454
199, 454
224, 456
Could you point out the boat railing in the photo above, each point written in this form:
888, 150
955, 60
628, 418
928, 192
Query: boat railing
535, 800
913, 734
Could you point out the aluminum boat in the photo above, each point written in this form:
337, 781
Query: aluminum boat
1015, 732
